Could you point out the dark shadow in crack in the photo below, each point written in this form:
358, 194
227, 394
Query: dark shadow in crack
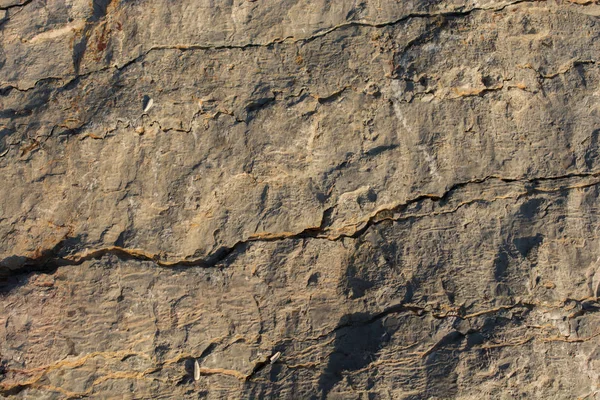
16, 270
10, 280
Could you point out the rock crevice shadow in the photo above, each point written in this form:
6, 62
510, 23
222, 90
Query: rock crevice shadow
356, 345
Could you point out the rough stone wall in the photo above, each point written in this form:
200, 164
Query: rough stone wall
399, 199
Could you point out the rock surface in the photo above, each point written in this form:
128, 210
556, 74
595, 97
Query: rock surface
301, 199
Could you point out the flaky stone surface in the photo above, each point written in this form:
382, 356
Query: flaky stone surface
388, 199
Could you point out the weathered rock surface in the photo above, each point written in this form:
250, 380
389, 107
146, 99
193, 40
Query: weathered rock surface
399, 199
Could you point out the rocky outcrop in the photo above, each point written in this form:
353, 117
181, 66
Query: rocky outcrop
299, 199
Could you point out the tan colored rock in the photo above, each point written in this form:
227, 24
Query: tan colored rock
299, 199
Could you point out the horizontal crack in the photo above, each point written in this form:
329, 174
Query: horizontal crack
287, 40
51, 259
37, 373
421, 311
565, 305
561, 71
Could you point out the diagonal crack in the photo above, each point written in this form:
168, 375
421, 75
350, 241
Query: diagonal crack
18, 5
383, 214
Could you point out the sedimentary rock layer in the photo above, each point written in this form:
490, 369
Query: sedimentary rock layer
299, 199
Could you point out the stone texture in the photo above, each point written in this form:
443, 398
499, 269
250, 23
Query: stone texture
398, 197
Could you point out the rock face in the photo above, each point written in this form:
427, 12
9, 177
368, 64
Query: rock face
299, 199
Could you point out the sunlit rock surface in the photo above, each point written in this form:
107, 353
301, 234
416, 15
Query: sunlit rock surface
299, 199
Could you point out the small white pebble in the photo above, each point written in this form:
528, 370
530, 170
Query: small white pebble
149, 105
275, 357
196, 371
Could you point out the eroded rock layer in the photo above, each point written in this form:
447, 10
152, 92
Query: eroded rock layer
299, 199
